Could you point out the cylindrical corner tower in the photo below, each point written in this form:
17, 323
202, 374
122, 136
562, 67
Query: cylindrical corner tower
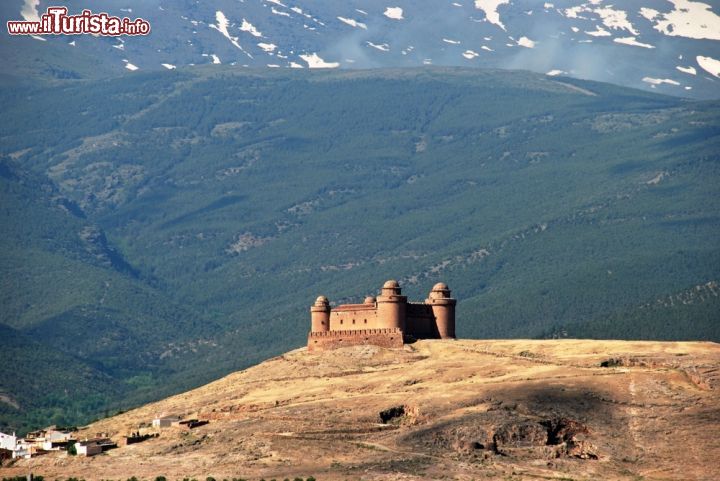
320, 315
391, 306
443, 307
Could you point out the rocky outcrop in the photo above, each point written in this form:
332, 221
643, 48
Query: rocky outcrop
566, 436
404, 414
519, 435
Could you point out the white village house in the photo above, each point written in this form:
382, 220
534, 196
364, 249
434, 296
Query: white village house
165, 421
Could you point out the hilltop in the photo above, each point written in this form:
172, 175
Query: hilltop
514, 409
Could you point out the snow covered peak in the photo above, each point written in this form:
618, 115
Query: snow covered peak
619, 42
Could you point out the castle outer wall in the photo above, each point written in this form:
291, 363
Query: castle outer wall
388, 320
321, 341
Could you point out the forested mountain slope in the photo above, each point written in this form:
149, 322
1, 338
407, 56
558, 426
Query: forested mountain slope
166, 228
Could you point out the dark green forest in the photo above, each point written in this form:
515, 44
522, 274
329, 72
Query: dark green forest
161, 230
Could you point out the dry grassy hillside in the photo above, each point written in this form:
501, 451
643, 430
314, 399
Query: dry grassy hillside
452, 410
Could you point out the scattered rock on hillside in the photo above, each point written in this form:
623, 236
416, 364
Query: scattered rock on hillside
403, 414
579, 449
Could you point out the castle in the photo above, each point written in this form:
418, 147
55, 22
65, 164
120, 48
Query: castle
387, 320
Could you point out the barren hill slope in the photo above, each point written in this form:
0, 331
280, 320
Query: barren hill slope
516, 409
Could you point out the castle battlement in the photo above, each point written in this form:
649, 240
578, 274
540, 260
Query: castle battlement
386, 320
359, 332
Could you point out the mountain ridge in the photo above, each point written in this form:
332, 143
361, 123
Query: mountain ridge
669, 46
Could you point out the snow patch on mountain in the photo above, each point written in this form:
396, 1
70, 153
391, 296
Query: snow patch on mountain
709, 64
574, 12
526, 42
278, 12
250, 28
615, 19
688, 19
353, 22
555, 73
268, 47
29, 11
599, 32
659, 81
452, 42
631, 41
690, 70
649, 13
382, 47
395, 13
470, 54
611, 18
314, 61
168, 66
490, 8
222, 27
130, 66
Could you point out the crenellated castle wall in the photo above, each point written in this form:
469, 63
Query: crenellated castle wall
319, 341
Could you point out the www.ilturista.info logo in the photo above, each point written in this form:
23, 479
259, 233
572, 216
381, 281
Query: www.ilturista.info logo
56, 21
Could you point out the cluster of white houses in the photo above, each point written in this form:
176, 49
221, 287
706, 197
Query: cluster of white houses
52, 439
60, 439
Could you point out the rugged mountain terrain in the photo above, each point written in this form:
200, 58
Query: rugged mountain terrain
669, 45
160, 229
562, 409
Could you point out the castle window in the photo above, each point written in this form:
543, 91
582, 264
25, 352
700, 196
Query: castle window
353, 321
365, 321
341, 321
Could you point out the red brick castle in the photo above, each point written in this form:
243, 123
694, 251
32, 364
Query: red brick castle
387, 320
